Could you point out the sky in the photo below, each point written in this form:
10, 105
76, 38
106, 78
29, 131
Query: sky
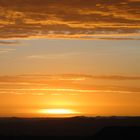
80, 59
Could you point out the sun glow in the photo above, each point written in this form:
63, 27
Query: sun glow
57, 111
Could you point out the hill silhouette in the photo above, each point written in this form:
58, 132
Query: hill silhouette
75, 126
119, 132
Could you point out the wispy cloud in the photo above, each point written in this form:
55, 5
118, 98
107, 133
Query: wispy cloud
54, 56
30, 91
39, 57
106, 77
75, 19
4, 50
66, 83
37, 78
9, 43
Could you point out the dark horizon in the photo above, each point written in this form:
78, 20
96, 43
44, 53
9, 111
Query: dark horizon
74, 126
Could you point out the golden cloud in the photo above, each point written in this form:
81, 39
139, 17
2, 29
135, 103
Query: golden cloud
69, 19
65, 83
64, 77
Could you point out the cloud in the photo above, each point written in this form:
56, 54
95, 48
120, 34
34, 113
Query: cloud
104, 77
75, 19
65, 83
9, 43
43, 79
44, 57
19, 91
39, 57
4, 50
53, 56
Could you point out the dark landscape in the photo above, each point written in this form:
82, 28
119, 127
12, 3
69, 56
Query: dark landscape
98, 127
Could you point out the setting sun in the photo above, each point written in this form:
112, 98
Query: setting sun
57, 111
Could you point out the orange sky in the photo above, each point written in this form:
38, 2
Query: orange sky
80, 59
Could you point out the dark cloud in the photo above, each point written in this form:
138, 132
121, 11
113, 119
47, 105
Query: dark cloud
78, 18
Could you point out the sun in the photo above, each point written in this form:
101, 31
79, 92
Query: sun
57, 111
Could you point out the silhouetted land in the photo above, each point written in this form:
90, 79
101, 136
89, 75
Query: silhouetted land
99, 127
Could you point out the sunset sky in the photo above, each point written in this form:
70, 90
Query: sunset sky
69, 57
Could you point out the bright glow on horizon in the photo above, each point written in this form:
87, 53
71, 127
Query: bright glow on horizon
57, 111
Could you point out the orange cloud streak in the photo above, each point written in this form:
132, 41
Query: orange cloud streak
77, 18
